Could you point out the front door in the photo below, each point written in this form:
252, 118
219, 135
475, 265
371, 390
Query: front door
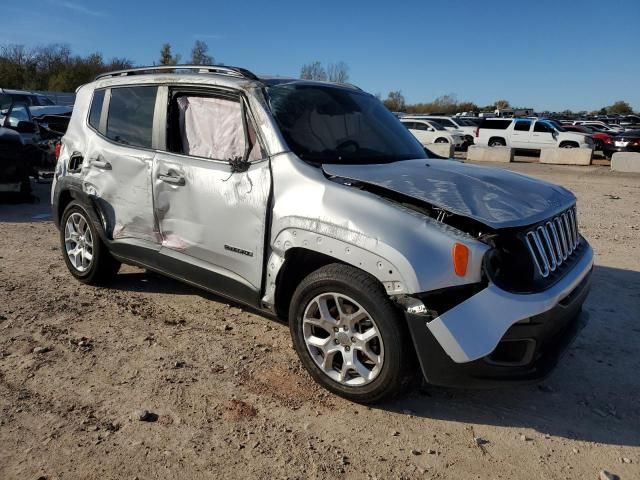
211, 192
543, 136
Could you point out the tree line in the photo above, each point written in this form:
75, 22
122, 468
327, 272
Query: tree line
448, 104
53, 67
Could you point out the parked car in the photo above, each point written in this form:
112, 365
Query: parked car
430, 131
607, 128
453, 124
39, 132
16, 166
630, 122
628, 141
600, 139
528, 134
24, 96
312, 202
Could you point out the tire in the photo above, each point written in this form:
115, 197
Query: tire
389, 364
497, 142
79, 235
441, 140
568, 145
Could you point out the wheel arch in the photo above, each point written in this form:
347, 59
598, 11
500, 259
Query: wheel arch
497, 137
296, 253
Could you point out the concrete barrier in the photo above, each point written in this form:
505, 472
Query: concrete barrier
476, 153
566, 156
443, 149
626, 162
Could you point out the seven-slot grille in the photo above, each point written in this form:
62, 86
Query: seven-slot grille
551, 243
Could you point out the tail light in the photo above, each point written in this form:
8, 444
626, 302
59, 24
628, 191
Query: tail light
608, 140
477, 132
58, 148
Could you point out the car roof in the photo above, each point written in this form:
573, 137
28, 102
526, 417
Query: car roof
19, 92
202, 74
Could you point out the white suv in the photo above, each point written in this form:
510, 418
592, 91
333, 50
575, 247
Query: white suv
427, 131
529, 134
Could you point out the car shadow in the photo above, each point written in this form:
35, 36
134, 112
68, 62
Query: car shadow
594, 393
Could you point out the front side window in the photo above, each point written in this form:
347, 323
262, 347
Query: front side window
327, 124
130, 118
542, 127
18, 113
212, 127
445, 122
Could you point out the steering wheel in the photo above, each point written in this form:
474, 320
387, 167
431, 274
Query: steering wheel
348, 143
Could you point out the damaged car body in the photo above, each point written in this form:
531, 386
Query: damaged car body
310, 201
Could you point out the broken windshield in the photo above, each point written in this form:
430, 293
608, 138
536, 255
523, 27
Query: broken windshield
329, 124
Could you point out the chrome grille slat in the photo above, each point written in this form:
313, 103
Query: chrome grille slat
552, 243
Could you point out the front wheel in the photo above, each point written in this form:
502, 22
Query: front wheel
349, 335
568, 145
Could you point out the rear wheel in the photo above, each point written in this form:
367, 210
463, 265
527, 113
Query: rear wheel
349, 335
497, 142
86, 257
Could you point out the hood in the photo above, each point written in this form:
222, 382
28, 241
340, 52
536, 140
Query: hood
495, 197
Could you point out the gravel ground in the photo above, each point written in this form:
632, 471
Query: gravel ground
153, 379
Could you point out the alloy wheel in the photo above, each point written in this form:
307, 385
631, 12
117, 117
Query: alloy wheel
343, 339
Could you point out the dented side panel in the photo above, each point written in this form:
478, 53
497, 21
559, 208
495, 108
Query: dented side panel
407, 252
120, 180
215, 216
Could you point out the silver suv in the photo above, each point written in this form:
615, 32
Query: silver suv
310, 201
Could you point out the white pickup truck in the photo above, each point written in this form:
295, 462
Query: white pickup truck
529, 134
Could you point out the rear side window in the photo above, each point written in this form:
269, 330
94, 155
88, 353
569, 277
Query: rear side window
496, 124
96, 109
522, 126
130, 118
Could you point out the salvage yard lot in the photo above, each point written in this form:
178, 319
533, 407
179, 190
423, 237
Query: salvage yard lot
228, 398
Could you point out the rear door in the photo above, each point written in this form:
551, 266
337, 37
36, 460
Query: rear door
117, 162
211, 192
521, 134
542, 136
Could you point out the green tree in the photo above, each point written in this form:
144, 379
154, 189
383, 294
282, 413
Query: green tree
166, 57
501, 104
199, 55
620, 107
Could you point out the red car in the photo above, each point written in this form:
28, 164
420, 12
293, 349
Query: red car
600, 138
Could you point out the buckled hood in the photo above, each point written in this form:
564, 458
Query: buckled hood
495, 197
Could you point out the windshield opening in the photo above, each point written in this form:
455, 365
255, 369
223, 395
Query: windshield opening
327, 124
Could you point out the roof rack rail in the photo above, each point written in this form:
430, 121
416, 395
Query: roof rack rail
218, 69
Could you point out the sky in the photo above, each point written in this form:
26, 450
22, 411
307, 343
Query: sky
544, 54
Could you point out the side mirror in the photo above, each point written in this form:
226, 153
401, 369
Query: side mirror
554, 134
26, 127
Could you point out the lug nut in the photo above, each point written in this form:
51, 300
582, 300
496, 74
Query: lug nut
353, 339
335, 329
346, 328
347, 348
336, 341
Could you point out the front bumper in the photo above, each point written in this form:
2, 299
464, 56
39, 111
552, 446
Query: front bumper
497, 336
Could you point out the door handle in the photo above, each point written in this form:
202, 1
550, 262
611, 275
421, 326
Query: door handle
104, 165
172, 178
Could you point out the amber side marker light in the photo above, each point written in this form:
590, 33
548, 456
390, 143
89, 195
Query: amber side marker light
460, 256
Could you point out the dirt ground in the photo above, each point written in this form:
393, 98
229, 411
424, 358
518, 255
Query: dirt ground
226, 396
